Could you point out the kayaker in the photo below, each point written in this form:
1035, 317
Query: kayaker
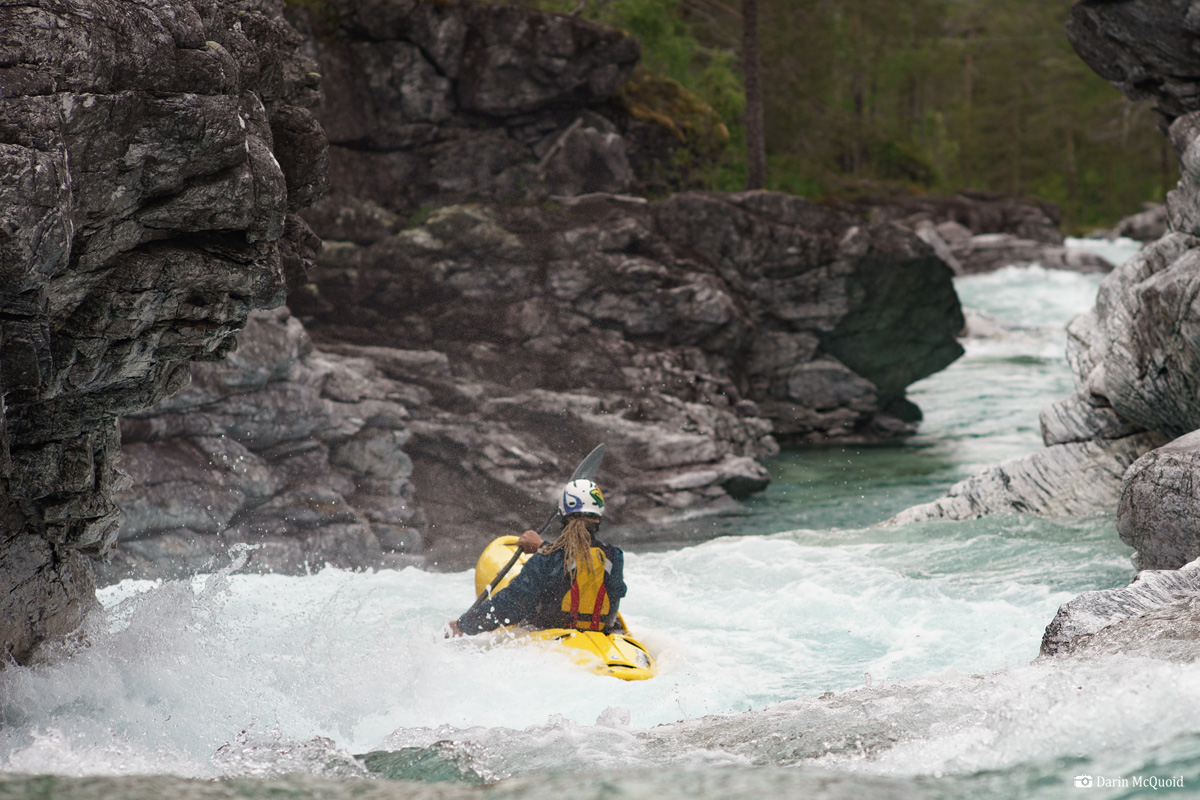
552, 590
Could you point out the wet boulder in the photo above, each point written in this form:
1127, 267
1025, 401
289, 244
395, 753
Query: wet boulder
1159, 511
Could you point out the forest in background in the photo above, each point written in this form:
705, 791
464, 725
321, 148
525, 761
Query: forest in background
910, 96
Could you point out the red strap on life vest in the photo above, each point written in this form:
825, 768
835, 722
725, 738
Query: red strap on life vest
594, 624
600, 595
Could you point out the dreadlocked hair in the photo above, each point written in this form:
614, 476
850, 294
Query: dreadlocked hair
575, 541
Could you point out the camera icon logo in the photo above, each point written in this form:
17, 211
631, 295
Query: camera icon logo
1083, 781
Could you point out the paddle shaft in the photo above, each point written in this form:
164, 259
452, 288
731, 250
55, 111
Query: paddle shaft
586, 470
504, 571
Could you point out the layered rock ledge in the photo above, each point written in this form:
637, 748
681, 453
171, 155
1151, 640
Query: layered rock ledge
153, 157
1155, 616
688, 335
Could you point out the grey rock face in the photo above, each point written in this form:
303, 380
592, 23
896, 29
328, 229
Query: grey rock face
436, 103
1157, 515
819, 322
689, 336
1135, 353
1153, 616
298, 453
504, 343
143, 215
1143, 47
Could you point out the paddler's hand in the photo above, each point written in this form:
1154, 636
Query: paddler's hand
529, 541
454, 631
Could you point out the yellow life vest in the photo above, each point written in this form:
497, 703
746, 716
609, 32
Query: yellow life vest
587, 601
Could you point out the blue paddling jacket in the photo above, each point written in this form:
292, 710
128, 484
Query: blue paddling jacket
539, 595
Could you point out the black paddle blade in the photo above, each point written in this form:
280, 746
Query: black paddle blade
588, 468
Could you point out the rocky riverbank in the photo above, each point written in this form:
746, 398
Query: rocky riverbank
493, 285
1136, 367
1127, 439
494, 293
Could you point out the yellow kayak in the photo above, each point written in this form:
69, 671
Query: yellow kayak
616, 653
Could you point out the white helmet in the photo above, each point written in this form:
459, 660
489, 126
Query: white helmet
581, 497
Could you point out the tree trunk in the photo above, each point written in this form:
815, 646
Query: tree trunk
756, 146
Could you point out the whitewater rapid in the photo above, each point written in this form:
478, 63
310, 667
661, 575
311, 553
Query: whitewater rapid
804, 636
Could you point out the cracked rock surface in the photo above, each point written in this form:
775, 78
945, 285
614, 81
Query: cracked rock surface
144, 214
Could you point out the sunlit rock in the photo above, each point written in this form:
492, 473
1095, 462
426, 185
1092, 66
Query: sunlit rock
1073, 479
1154, 616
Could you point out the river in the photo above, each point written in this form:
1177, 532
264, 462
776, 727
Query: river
804, 650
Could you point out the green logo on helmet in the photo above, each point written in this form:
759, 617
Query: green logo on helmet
597, 496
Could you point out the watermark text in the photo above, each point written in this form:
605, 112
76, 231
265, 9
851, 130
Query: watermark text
1153, 782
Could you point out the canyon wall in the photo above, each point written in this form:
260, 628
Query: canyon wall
1137, 357
154, 156
493, 273
495, 294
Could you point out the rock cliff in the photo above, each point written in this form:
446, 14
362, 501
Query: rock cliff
690, 335
154, 158
490, 277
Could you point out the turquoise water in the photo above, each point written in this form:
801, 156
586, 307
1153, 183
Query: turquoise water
803, 647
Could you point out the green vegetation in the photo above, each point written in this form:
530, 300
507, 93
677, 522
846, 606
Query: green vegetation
922, 96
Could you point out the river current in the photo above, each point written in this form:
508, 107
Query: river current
804, 649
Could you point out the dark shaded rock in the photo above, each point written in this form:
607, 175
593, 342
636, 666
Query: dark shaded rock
143, 212
1157, 515
1144, 48
1153, 616
429, 104
705, 297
